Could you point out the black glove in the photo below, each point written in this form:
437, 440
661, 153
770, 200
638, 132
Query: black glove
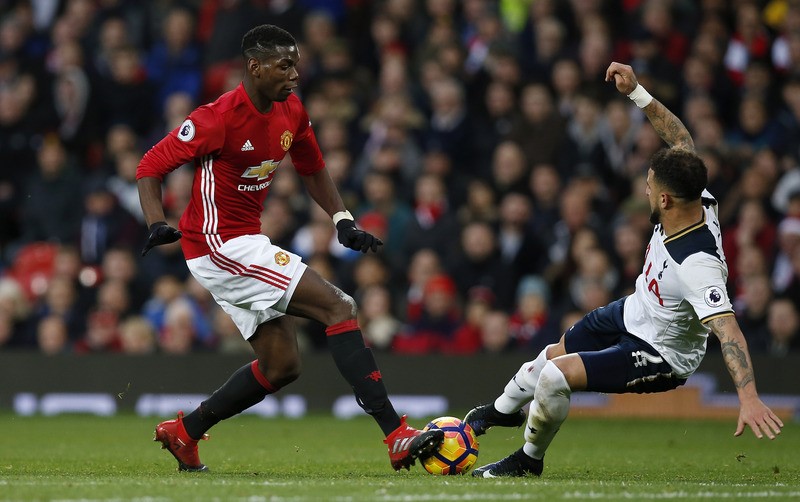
353, 238
160, 233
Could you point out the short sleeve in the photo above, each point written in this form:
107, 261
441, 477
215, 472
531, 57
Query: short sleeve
703, 279
202, 133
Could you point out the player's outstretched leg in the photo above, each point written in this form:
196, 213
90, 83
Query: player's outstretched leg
482, 417
357, 365
517, 464
406, 444
520, 389
547, 412
173, 437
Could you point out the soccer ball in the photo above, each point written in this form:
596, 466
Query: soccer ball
459, 451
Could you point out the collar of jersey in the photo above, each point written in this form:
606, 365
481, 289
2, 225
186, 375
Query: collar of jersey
246, 98
686, 230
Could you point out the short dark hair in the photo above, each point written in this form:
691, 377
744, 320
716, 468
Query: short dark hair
264, 39
681, 171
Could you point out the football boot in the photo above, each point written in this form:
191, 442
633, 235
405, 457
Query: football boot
173, 437
517, 464
407, 444
482, 417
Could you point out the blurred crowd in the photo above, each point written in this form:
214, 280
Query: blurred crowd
477, 138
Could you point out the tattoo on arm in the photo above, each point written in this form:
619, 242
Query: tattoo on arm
668, 126
733, 352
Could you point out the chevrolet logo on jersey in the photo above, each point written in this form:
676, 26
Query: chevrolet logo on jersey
261, 172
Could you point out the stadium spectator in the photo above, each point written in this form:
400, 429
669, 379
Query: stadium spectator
102, 334
434, 224
49, 211
178, 334
783, 325
480, 263
52, 337
468, 338
532, 324
480, 204
14, 313
750, 40
377, 322
509, 168
629, 249
174, 63
137, 336
495, 333
517, 242
119, 264
497, 117
788, 243
381, 197
753, 227
122, 184
752, 305
540, 130
438, 320
545, 186
61, 299
448, 128
423, 265
104, 224
120, 95
278, 221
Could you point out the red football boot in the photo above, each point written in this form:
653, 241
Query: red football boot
174, 438
407, 444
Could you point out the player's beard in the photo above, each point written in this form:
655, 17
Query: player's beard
655, 216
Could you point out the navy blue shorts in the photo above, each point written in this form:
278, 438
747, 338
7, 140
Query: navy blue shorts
615, 360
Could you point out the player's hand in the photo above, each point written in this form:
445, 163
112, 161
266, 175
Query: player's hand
160, 233
623, 77
759, 418
354, 238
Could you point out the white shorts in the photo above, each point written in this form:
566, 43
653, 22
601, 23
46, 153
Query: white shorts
250, 278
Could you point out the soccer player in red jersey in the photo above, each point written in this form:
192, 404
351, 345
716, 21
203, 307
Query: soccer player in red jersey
237, 144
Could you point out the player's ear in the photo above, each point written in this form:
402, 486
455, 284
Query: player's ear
253, 67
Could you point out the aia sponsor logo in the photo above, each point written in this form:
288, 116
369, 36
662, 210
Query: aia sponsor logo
375, 376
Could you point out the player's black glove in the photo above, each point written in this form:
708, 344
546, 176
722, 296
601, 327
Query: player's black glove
160, 233
353, 238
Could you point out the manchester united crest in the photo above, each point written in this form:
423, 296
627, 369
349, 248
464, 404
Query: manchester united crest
286, 140
281, 258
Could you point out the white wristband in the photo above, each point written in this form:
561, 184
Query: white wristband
640, 96
342, 215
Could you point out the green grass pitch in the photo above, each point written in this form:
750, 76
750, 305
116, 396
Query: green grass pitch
321, 458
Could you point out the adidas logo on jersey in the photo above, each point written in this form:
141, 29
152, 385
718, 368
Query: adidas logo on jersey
247, 146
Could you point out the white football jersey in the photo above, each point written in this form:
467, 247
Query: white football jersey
682, 285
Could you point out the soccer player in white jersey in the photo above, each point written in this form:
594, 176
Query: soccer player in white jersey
652, 340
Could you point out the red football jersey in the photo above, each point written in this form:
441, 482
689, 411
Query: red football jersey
236, 151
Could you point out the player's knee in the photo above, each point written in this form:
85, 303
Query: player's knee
556, 349
552, 382
345, 308
283, 373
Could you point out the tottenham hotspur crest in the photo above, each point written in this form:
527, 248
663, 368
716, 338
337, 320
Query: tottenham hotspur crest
714, 296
